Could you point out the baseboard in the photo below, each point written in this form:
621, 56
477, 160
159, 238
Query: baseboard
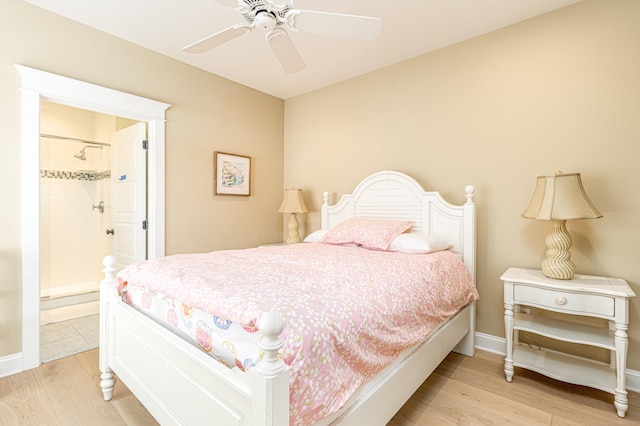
633, 380
497, 345
12, 364
489, 343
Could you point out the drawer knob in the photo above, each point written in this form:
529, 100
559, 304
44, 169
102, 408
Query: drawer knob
561, 300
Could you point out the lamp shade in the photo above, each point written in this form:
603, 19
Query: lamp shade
560, 197
293, 202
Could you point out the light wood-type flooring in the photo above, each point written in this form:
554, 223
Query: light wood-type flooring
462, 391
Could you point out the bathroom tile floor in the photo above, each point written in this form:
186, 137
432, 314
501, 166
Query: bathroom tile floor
65, 338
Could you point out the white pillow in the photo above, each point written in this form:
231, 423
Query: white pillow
315, 236
419, 243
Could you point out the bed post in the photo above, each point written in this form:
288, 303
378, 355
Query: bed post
467, 345
107, 285
324, 220
270, 387
469, 231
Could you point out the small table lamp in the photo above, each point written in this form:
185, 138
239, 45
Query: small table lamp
559, 198
293, 203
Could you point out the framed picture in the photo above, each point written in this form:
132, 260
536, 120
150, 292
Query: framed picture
232, 174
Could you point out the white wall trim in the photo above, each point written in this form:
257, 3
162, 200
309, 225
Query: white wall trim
633, 380
10, 365
489, 343
40, 85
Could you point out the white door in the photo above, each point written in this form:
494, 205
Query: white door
129, 195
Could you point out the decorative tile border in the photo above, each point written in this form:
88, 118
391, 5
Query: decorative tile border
90, 176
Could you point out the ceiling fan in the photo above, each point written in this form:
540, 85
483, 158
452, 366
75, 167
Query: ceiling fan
276, 17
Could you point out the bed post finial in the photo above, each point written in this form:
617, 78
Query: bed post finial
470, 192
270, 325
109, 263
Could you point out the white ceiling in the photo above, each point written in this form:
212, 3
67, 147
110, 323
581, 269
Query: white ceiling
409, 28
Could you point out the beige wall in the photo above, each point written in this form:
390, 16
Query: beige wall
559, 92
208, 113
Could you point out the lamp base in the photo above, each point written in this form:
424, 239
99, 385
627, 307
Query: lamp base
558, 264
293, 237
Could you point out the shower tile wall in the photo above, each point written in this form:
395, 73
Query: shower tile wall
73, 238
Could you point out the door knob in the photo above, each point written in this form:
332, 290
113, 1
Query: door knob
110, 231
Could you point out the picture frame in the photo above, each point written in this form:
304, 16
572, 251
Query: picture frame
232, 174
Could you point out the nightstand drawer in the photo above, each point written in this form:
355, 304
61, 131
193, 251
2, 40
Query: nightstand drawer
585, 304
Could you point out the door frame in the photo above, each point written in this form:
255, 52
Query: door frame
39, 85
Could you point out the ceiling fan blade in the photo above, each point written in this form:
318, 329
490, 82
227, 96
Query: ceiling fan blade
233, 4
279, 4
217, 39
285, 51
334, 24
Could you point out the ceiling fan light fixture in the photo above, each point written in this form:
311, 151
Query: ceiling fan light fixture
265, 20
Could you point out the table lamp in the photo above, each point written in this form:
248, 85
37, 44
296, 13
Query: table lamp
294, 204
559, 198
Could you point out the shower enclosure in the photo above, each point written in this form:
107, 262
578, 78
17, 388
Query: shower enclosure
75, 209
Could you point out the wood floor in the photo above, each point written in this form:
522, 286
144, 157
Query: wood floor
462, 391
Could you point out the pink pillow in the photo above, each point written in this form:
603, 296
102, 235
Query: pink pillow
369, 233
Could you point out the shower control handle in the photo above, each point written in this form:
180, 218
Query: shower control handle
100, 207
110, 231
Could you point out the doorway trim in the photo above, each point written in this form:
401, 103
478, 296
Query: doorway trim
40, 85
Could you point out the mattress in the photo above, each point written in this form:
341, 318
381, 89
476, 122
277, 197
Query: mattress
227, 342
348, 311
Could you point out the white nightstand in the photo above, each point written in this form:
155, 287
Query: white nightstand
583, 295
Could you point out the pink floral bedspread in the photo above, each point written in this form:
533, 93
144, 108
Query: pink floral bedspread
348, 311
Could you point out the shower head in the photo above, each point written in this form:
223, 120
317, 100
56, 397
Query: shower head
82, 155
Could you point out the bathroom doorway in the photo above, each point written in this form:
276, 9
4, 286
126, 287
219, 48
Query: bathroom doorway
76, 223
38, 86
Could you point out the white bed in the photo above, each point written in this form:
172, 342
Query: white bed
179, 384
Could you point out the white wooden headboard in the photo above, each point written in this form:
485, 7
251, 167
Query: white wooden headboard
396, 196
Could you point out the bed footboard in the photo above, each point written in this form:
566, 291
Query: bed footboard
175, 380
